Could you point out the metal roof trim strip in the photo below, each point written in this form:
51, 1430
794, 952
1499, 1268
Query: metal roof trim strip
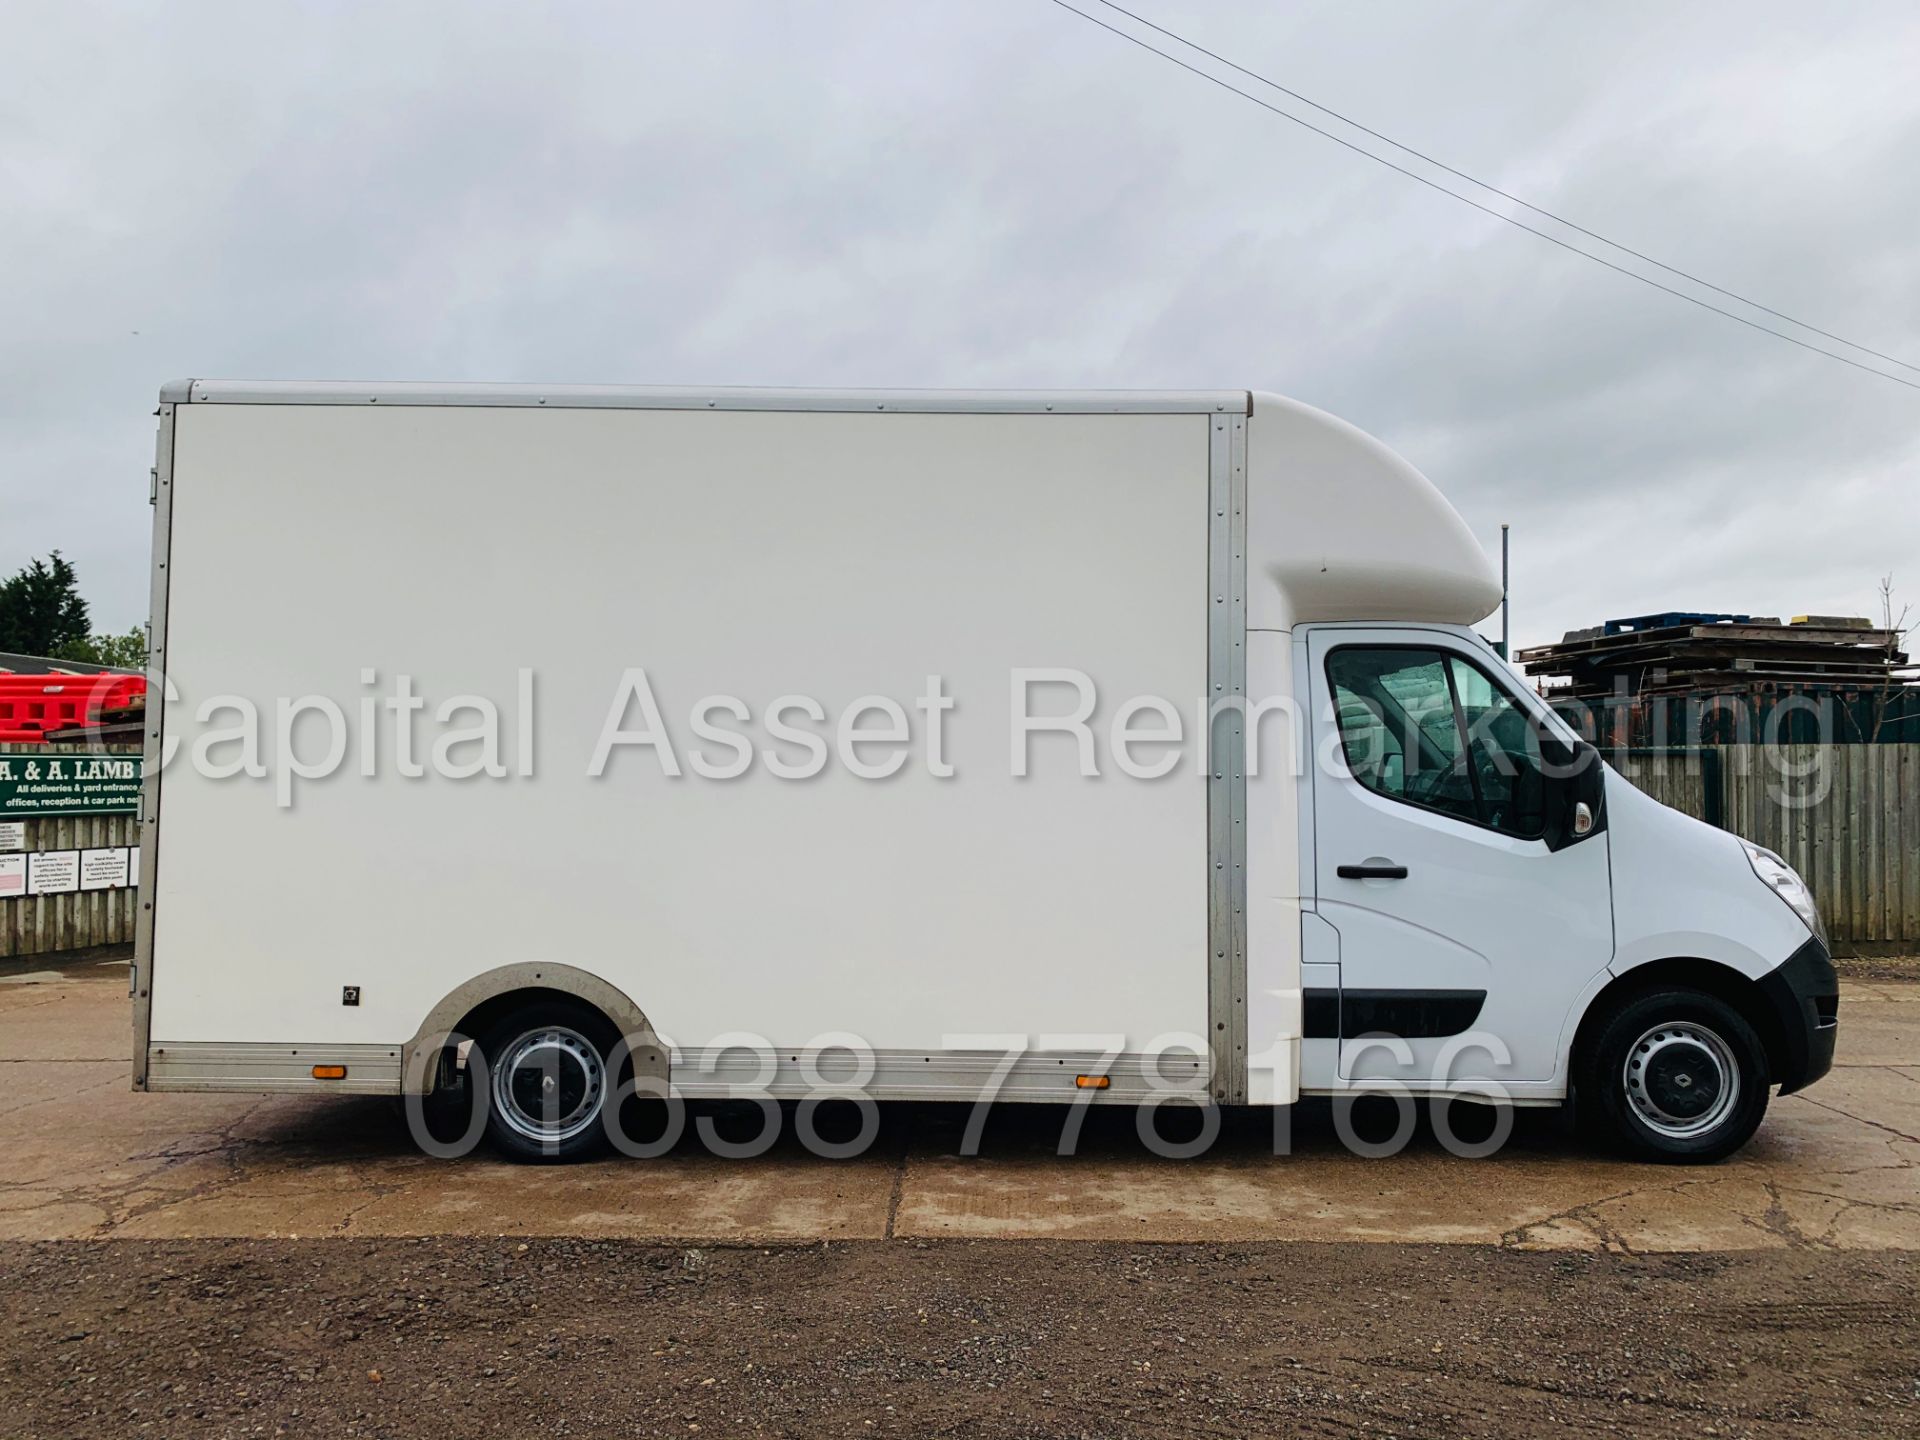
641, 397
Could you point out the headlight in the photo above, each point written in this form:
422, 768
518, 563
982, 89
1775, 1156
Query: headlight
1779, 877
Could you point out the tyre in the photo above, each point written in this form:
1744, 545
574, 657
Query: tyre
1675, 1076
547, 1082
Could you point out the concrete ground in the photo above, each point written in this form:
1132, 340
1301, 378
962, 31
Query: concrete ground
81, 1156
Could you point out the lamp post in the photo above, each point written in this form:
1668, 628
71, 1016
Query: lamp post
1506, 633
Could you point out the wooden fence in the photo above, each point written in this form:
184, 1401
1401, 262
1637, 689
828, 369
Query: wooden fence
81, 919
1847, 817
41, 924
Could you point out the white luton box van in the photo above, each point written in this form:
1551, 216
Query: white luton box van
924, 745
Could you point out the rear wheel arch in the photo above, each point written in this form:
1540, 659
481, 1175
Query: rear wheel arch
482, 1002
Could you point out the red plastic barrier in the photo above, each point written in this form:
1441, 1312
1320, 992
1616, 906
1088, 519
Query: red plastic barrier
31, 705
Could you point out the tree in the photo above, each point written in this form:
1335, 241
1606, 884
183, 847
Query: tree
41, 612
123, 652
1893, 699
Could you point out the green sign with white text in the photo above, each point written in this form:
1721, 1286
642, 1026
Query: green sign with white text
39, 783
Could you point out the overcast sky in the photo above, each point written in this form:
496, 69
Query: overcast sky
998, 194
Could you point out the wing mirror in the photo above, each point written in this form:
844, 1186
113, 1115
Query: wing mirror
1576, 791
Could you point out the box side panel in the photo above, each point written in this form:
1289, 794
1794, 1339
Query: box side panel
758, 556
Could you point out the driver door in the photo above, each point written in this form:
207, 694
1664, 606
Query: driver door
1461, 934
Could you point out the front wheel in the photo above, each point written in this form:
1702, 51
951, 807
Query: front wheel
1675, 1076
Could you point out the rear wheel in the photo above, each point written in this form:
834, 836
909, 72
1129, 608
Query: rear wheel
547, 1082
1674, 1075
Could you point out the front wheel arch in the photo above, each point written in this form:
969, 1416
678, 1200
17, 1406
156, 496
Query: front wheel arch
1709, 977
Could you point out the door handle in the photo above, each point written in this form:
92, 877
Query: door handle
1371, 872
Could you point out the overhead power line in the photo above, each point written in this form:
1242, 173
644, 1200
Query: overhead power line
1433, 184
1508, 195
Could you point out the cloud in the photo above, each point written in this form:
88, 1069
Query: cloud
999, 194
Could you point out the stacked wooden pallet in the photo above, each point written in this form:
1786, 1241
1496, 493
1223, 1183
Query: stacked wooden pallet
1703, 654
122, 724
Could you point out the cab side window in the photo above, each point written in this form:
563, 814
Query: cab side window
1398, 728
1431, 728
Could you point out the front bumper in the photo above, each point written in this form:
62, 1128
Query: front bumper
1804, 994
